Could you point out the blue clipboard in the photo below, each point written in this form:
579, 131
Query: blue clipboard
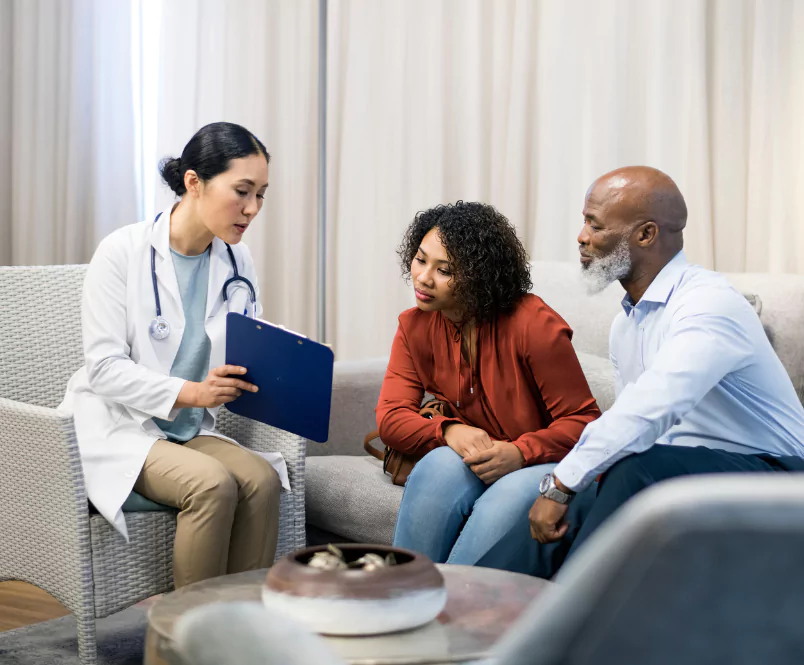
293, 374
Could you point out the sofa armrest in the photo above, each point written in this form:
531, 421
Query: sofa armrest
355, 390
44, 520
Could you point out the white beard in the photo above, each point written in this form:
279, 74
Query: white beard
602, 271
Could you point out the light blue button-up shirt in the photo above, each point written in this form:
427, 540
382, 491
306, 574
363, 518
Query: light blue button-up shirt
693, 367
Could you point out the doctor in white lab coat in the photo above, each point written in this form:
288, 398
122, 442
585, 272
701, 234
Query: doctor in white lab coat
145, 403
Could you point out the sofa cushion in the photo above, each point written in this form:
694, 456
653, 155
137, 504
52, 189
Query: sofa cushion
136, 503
782, 315
350, 495
355, 390
561, 286
600, 376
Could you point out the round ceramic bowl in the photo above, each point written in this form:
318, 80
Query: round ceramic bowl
356, 601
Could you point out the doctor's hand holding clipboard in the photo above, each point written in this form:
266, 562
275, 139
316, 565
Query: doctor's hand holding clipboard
220, 386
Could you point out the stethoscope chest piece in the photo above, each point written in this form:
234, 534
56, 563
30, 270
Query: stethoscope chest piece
159, 328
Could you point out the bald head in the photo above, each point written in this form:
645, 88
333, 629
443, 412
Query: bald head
633, 223
637, 194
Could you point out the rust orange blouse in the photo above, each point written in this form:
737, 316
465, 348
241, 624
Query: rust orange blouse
526, 385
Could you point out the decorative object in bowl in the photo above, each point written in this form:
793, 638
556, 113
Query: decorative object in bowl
356, 589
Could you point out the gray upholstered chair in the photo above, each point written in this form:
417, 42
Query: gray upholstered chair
699, 570
48, 536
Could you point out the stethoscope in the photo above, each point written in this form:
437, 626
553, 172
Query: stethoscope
160, 328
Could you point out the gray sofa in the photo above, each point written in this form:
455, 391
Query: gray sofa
349, 498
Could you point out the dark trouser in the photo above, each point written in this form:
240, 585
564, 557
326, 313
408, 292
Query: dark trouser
590, 508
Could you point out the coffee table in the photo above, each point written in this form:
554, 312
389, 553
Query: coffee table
482, 603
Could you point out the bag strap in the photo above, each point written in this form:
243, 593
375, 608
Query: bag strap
371, 450
433, 408
436, 407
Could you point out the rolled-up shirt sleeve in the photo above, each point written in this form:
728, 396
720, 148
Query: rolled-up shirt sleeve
700, 348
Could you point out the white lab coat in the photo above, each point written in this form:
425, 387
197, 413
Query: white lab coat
125, 381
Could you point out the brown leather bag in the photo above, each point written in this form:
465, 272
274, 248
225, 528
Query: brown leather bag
399, 465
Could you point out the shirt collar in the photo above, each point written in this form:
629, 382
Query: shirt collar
160, 237
160, 233
662, 286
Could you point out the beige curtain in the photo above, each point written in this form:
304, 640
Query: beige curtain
519, 103
66, 128
6, 53
253, 62
522, 104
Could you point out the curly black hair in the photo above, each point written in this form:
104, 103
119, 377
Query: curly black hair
489, 265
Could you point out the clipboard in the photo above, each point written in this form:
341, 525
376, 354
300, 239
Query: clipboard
293, 374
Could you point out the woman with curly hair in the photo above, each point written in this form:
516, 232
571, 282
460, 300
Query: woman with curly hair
502, 361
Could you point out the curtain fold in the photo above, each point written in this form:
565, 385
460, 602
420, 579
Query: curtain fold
6, 62
68, 135
518, 103
253, 62
522, 104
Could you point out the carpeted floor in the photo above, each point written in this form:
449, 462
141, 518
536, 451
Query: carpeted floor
121, 641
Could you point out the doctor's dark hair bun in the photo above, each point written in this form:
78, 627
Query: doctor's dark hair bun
209, 154
170, 170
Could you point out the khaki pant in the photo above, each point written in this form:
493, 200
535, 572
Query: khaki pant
228, 499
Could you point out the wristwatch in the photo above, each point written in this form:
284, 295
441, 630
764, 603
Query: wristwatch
548, 489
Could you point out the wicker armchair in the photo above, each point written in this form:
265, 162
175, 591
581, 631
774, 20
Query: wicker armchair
48, 537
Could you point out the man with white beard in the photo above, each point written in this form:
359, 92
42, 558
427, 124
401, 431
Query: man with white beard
600, 271
699, 388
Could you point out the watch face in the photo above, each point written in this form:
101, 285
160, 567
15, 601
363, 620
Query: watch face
544, 485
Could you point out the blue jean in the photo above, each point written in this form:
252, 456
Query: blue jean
452, 516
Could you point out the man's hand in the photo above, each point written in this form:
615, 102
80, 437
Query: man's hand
547, 523
466, 440
493, 463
